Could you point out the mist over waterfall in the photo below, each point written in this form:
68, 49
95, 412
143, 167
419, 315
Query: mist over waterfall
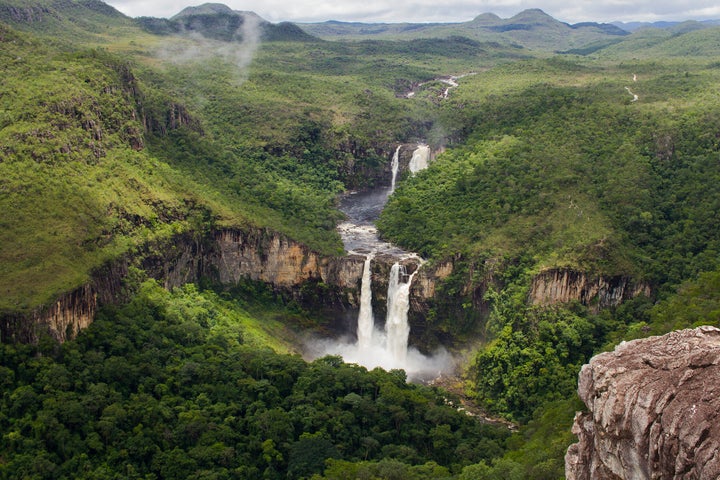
377, 344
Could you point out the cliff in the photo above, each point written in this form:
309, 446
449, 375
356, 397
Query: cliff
653, 410
597, 292
292, 270
225, 257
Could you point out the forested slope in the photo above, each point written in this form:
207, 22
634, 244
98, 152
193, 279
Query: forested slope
582, 176
114, 140
175, 386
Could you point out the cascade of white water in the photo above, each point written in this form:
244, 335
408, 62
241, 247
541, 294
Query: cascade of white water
420, 159
395, 165
398, 305
366, 322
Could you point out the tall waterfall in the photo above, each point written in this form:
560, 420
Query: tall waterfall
420, 159
375, 347
366, 322
395, 167
398, 305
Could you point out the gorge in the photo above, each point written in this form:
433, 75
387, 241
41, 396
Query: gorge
384, 344
295, 271
193, 283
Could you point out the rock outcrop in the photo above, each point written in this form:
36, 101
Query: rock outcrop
597, 292
653, 410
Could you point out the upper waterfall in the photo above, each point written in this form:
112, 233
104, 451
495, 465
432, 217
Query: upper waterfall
363, 208
420, 159
395, 166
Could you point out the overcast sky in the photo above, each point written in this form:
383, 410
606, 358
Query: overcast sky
440, 11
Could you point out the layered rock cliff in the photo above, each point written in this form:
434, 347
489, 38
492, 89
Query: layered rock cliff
226, 257
653, 410
294, 271
597, 292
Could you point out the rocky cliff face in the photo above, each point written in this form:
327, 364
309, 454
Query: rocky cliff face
320, 282
271, 258
227, 257
653, 410
63, 319
562, 285
231, 256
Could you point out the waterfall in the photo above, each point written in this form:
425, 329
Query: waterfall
387, 349
395, 167
398, 305
420, 159
366, 323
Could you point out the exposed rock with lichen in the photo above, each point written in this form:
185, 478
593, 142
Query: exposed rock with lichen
653, 410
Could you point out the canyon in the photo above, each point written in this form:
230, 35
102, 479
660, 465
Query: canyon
330, 284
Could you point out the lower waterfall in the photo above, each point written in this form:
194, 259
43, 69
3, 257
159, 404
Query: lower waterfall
366, 322
398, 306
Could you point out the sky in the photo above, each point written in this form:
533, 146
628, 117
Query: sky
440, 11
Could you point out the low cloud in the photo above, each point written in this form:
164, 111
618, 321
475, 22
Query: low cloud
239, 53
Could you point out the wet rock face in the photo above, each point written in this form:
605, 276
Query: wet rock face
653, 410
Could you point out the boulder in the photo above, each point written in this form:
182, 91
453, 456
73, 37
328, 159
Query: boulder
653, 410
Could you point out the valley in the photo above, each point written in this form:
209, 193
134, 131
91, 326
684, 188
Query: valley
238, 249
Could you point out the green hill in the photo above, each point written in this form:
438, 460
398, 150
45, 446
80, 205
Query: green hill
219, 22
81, 20
689, 39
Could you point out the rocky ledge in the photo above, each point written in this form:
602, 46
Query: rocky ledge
653, 410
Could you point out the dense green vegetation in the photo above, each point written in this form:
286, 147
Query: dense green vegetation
547, 170
113, 138
185, 133
169, 386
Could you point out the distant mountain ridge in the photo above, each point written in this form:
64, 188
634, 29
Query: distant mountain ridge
88, 17
220, 22
632, 26
532, 28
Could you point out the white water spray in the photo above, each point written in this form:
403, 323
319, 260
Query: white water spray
395, 165
366, 322
388, 348
420, 159
398, 305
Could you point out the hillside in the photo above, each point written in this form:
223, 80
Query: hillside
211, 144
169, 197
86, 21
689, 39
